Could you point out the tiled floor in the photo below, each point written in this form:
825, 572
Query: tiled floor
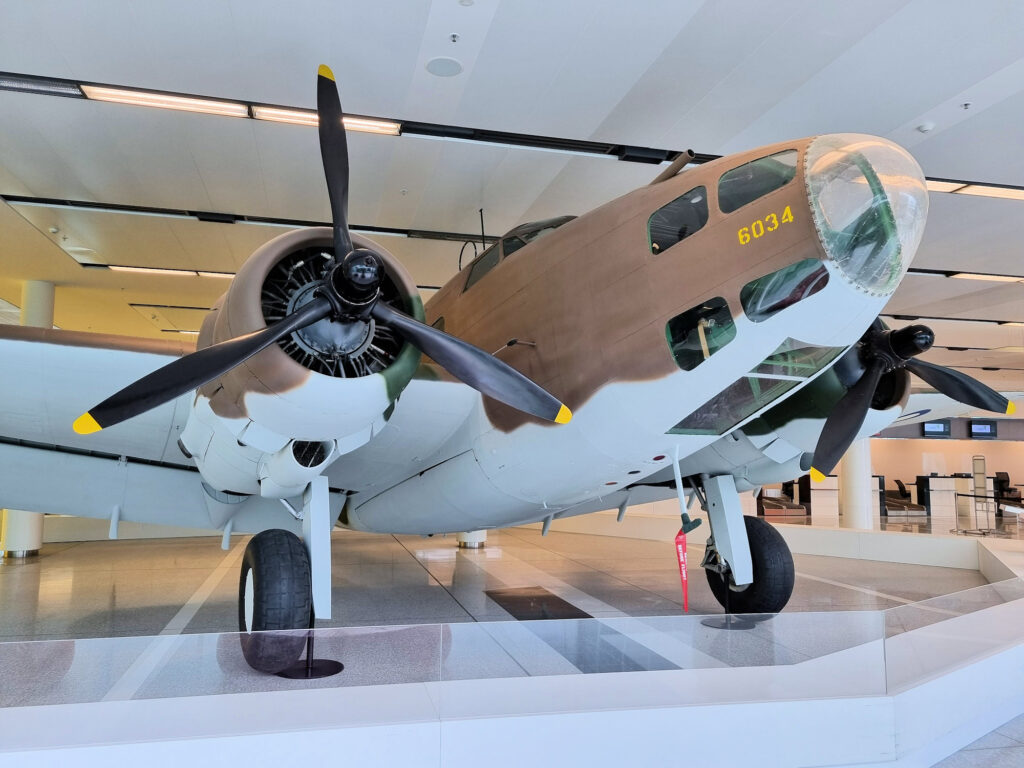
1003, 748
144, 587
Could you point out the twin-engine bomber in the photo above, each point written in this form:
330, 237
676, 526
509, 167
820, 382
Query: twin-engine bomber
703, 335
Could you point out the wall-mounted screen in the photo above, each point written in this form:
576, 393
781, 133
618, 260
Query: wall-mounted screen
984, 429
935, 428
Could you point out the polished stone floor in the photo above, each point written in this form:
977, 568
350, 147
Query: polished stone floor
1002, 748
147, 587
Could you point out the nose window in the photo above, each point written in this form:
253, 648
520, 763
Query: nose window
869, 203
769, 295
746, 183
787, 367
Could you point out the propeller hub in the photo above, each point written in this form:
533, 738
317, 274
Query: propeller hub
911, 341
353, 286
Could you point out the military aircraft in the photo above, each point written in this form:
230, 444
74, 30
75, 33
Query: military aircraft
706, 334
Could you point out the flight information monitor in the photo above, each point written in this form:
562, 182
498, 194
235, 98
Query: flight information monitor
984, 429
936, 428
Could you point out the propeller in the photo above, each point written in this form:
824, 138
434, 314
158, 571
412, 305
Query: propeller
349, 292
883, 350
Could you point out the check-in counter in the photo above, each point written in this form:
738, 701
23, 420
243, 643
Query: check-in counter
825, 501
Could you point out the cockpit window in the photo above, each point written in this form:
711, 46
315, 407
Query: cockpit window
512, 244
487, 261
755, 179
512, 241
677, 220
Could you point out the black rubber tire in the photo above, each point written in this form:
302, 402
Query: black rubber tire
282, 600
773, 573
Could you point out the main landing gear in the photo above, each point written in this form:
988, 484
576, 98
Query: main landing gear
748, 565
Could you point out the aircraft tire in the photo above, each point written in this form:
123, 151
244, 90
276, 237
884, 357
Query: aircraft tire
274, 593
773, 573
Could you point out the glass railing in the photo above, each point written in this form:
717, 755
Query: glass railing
711, 659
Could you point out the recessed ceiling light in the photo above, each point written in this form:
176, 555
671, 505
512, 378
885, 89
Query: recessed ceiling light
166, 101
444, 66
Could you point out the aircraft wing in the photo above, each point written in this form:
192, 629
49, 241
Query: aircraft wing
133, 471
928, 406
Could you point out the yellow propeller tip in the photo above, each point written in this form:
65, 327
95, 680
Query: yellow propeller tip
817, 476
86, 424
564, 416
1010, 408
325, 71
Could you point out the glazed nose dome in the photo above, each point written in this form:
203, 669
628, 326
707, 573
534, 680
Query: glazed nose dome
870, 202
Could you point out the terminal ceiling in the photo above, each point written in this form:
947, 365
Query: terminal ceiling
717, 76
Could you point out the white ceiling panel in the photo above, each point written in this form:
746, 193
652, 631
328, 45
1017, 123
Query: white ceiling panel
936, 296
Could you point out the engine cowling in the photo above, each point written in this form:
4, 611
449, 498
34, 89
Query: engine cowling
275, 422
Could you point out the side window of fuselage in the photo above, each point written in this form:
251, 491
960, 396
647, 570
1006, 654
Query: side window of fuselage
767, 296
677, 220
487, 261
698, 333
746, 183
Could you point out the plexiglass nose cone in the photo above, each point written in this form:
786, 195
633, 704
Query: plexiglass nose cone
870, 202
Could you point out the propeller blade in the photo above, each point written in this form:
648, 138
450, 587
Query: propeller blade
960, 387
472, 365
194, 370
845, 421
334, 151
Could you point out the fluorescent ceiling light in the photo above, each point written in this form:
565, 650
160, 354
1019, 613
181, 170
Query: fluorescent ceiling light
992, 278
1012, 323
983, 190
310, 117
281, 115
166, 101
943, 186
375, 233
366, 125
178, 330
227, 275
154, 271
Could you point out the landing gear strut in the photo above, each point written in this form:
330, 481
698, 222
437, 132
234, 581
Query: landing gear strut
747, 562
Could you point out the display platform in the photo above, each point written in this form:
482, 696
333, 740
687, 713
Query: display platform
839, 688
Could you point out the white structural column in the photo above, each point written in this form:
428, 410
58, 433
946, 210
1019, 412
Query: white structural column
855, 486
472, 539
22, 532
